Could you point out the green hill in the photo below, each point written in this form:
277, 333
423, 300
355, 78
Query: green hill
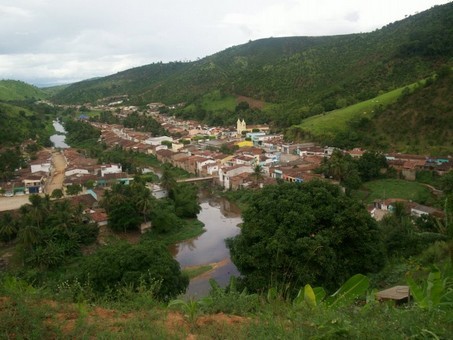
53, 90
23, 120
303, 75
18, 90
331, 123
417, 118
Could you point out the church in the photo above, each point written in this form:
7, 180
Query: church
241, 126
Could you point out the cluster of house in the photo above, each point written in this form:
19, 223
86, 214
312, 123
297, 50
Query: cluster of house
30, 180
381, 208
277, 159
81, 170
198, 151
408, 165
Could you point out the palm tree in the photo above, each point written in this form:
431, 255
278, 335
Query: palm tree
8, 227
37, 211
257, 173
167, 181
29, 235
145, 203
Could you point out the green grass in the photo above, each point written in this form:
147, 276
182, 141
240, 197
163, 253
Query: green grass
196, 271
18, 90
14, 110
191, 228
93, 113
336, 121
394, 188
214, 101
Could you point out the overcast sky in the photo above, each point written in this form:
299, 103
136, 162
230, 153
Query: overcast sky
47, 42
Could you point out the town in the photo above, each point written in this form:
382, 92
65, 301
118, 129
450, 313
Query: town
248, 156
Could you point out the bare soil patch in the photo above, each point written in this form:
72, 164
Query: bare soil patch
253, 103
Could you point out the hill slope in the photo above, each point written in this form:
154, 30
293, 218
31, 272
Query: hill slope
18, 90
307, 74
417, 118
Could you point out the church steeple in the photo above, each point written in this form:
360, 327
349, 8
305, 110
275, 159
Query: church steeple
240, 126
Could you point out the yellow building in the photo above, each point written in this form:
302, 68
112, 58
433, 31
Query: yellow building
245, 143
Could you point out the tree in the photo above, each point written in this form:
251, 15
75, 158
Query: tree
121, 264
167, 180
257, 173
164, 218
89, 184
73, 189
123, 217
294, 234
343, 168
8, 227
370, 165
185, 200
57, 193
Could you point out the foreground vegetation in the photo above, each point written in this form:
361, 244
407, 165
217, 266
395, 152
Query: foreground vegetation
30, 312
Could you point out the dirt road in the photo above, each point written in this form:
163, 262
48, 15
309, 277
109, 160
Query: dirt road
57, 176
13, 203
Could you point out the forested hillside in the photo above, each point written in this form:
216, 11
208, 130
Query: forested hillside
18, 90
416, 118
303, 75
420, 122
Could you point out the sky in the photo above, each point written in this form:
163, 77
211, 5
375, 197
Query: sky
51, 42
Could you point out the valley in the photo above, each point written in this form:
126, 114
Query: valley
278, 188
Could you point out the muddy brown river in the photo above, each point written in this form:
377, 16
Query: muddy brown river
221, 219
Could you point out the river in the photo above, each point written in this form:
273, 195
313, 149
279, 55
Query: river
58, 139
221, 219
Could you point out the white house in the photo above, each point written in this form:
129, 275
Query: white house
225, 174
111, 169
43, 167
200, 164
158, 140
76, 171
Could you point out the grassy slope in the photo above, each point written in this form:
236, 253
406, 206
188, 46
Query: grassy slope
393, 188
332, 122
421, 122
424, 107
17, 90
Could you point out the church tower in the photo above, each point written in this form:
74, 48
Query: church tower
240, 126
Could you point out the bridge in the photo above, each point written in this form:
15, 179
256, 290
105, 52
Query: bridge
197, 179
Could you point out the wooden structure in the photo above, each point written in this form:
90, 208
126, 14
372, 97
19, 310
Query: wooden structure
399, 294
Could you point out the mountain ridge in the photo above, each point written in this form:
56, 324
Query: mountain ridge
313, 73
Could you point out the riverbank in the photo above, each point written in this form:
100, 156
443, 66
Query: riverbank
191, 229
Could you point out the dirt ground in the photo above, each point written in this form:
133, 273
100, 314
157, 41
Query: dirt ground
57, 177
13, 203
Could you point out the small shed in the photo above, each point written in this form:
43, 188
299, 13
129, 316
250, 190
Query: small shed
399, 294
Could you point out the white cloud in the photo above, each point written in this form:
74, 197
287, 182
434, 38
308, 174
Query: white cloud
68, 40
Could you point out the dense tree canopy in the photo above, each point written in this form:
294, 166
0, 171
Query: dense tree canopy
295, 234
48, 232
122, 264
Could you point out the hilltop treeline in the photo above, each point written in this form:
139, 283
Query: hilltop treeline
303, 75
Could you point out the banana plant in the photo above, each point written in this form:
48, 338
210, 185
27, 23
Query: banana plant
309, 296
190, 308
357, 285
434, 293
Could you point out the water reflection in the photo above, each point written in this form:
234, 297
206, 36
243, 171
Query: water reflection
58, 139
221, 219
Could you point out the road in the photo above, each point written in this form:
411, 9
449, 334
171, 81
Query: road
55, 182
57, 176
12, 203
